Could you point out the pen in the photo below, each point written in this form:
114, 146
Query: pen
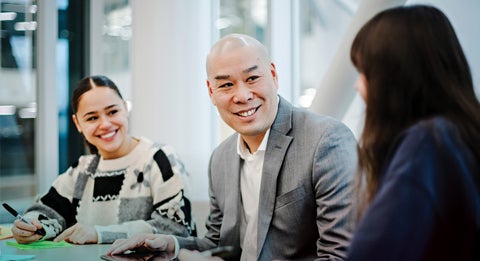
16, 215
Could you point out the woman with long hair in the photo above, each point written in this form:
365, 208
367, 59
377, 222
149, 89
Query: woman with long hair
419, 153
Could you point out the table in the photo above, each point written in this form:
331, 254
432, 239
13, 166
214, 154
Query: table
75, 253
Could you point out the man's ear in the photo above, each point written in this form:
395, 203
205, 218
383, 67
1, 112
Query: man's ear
210, 93
74, 118
273, 72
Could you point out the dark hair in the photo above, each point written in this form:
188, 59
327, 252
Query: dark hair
85, 85
415, 69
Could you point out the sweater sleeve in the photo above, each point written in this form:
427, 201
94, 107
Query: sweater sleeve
169, 196
56, 209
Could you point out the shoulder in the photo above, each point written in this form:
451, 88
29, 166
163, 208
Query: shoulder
435, 133
291, 117
83, 162
80, 168
320, 130
308, 121
228, 145
431, 157
430, 147
150, 149
164, 156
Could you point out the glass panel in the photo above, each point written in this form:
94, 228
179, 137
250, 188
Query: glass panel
17, 99
63, 102
322, 25
244, 16
116, 35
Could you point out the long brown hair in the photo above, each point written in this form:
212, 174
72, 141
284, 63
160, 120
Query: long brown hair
415, 69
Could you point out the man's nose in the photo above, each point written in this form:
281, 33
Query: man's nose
242, 93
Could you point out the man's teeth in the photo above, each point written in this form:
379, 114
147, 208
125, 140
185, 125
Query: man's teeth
247, 113
108, 135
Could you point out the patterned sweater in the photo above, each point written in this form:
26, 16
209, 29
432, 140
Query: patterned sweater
141, 192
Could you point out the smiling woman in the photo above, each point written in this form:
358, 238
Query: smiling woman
100, 115
127, 185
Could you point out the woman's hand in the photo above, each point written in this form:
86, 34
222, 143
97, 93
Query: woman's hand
25, 233
79, 234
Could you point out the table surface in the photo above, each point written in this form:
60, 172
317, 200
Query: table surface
75, 253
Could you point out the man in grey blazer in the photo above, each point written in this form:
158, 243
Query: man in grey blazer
281, 186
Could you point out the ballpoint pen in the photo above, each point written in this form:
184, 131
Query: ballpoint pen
16, 215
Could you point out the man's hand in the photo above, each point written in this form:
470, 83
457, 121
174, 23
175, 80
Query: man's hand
79, 234
144, 242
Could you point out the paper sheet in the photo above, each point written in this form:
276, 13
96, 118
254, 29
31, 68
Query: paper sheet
39, 245
5, 232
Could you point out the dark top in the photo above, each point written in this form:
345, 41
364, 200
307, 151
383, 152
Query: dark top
427, 206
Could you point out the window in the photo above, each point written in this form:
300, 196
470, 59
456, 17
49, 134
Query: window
17, 98
322, 26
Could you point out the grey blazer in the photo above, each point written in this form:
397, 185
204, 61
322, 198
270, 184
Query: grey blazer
305, 194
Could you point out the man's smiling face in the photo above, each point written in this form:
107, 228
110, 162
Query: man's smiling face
243, 86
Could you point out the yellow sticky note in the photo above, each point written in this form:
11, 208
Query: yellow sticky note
5, 232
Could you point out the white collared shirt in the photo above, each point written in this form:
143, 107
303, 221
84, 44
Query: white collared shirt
250, 180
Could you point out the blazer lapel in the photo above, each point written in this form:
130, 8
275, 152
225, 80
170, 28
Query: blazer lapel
277, 146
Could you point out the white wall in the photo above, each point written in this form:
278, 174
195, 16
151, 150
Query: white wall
335, 93
46, 136
464, 16
170, 102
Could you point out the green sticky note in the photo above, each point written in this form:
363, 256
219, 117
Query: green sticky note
16, 257
39, 245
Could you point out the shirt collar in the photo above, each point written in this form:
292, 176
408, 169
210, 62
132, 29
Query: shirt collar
242, 149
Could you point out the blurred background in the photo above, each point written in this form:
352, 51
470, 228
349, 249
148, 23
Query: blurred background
155, 50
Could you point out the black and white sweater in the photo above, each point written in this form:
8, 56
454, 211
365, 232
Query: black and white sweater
141, 192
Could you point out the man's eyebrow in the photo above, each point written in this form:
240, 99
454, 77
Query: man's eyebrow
225, 77
253, 68
222, 77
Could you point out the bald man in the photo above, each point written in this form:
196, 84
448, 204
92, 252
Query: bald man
281, 186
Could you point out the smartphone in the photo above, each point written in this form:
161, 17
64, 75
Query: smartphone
137, 256
221, 251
